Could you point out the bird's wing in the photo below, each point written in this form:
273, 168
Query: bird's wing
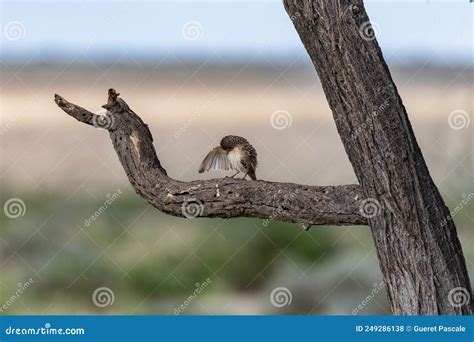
215, 160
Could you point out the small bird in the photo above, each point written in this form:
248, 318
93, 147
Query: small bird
234, 153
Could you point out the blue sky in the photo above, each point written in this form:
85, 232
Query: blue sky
407, 30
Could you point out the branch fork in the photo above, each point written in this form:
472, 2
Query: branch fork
225, 197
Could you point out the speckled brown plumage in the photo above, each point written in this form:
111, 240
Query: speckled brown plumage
234, 153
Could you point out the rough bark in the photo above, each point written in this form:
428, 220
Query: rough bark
420, 255
226, 197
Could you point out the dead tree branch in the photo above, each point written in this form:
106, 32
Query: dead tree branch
226, 197
419, 253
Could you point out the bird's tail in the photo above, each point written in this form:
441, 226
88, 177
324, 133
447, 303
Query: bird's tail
252, 175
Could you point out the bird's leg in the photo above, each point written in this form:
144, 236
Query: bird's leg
235, 174
245, 176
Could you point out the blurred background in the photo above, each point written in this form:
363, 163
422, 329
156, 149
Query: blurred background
196, 71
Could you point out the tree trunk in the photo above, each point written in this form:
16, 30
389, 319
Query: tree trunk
419, 253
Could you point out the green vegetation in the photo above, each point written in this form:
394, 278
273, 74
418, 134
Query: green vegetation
146, 256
